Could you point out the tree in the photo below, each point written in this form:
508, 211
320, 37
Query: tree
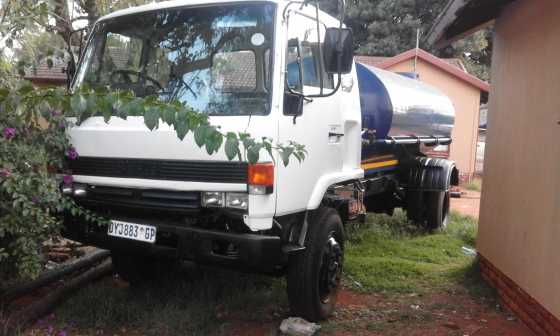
39, 30
389, 27
475, 51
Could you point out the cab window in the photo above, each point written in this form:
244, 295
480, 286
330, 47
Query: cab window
303, 50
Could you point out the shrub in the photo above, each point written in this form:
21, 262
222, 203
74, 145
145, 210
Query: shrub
30, 154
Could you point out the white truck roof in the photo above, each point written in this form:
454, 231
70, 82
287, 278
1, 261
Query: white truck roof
172, 4
309, 10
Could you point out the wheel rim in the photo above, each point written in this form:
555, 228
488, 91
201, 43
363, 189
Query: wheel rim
331, 269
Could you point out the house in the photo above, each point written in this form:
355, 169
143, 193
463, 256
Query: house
464, 90
43, 75
519, 230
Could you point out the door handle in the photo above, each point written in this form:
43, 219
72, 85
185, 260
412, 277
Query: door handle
333, 134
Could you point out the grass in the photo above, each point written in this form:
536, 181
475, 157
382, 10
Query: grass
385, 254
197, 303
389, 254
475, 185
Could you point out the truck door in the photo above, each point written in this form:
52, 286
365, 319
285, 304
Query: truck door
320, 127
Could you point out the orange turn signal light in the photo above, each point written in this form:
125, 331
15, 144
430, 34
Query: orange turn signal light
261, 174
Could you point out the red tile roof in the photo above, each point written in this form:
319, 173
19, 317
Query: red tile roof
369, 60
375, 60
42, 72
452, 66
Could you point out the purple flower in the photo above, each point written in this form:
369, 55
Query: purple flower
35, 199
67, 180
55, 113
61, 333
5, 172
72, 154
9, 132
61, 125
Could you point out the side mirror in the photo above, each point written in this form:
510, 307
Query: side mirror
337, 50
293, 104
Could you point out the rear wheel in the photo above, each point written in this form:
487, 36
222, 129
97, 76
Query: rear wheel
314, 275
437, 214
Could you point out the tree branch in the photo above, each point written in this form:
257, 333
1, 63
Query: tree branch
5, 12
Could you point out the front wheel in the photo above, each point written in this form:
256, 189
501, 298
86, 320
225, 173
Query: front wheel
314, 275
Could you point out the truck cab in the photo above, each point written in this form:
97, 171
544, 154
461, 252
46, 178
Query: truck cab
276, 69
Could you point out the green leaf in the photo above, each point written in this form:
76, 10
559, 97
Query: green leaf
78, 104
253, 153
134, 107
232, 146
9, 43
181, 124
285, 153
91, 104
117, 104
105, 107
168, 114
151, 117
4, 93
25, 89
101, 91
200, 135
216, 138
150, 100
268, 147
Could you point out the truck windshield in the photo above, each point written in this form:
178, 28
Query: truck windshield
215, 59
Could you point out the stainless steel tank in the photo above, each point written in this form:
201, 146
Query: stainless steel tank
397, 106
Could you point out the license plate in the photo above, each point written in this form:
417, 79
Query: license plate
145, 233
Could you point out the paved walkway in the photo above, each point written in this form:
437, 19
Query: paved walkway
468, 204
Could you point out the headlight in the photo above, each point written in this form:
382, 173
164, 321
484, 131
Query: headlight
66, 190
80, 190
213, 199
237, 200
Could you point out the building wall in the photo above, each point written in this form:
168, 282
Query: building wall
519, 230
465, 98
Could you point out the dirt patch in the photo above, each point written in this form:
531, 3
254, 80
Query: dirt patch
451, 312
468, 204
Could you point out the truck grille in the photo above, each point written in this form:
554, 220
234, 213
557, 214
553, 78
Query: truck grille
176, 170
108, 198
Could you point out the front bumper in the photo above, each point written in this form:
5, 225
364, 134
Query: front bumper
253, 252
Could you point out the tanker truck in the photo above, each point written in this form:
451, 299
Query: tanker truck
274, 68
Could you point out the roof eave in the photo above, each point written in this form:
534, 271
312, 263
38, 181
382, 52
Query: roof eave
446, 17
461, 18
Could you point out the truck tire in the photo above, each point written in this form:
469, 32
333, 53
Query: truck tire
415, 207
134, 269
314, 274
437, 214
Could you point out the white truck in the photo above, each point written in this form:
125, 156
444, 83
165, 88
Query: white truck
274, 68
